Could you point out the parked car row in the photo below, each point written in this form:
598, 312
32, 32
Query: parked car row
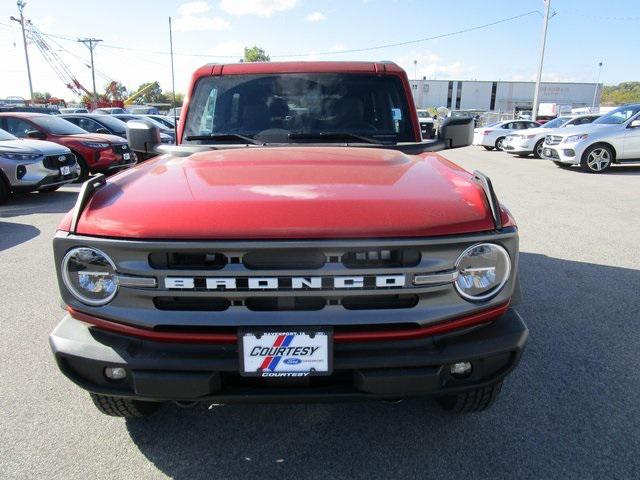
590, 141
41, 152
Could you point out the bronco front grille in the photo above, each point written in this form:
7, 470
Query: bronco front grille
282, 282
552, 139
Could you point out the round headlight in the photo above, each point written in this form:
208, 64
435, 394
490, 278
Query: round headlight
90, 275
483, 270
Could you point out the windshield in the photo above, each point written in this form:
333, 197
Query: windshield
114, 124
423, 114
306, 105
6, 136
57, 125
618, 116
166, 121
557, 122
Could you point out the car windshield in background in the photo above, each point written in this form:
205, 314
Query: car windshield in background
618, 116
114, 124
57, 125
155, 123
299, 107
556, 122
6, 136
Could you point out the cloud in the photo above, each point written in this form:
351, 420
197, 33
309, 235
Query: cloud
199, 24
262, 8
192, 20
192, 8
228, 48
316, 17
431, 65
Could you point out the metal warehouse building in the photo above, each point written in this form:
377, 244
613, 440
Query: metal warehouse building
500, 96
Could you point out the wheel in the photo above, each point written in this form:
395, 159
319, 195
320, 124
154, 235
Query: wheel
562, 165
488, 148
475, 400
499, 144
597, 159
537, 150
123, 407
49, 189
84, 169
4, 190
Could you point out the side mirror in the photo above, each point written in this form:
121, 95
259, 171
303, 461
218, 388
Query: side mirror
37, 134
457, 131
635, 123
143, 137
102, 130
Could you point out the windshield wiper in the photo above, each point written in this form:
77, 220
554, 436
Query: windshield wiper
332, 136
225, 136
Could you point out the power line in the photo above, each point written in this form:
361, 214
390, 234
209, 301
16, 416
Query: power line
323, 53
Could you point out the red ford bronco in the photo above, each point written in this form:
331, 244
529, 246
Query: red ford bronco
300, 242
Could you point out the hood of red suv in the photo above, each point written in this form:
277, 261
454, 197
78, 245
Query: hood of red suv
91, 137
288, 192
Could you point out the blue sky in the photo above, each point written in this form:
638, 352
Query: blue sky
581, 34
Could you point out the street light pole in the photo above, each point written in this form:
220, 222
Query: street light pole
595, 93
21, 4
91, 44
543, 41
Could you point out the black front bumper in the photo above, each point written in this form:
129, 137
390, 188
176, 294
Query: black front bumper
160, 371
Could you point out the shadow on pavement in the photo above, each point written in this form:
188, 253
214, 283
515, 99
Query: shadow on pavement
35, 203
12, 234
568, 411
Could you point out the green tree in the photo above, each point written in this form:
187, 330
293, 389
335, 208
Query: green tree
41, 97
625, 92
152, 95
115, 91
255, 54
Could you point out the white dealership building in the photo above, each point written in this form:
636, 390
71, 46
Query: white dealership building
500, 96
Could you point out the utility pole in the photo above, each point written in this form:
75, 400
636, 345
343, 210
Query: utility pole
91, 43
543, 41
21, 4
595, 93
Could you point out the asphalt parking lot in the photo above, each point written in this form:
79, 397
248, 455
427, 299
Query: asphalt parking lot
569, 411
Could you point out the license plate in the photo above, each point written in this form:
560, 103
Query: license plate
285, 353
66, 170
126, 156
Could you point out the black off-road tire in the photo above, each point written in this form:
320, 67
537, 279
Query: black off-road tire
499, 143
537, 149
471, 401
123, 407
488, 148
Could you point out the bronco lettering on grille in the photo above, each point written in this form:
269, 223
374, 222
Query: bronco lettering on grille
275, 283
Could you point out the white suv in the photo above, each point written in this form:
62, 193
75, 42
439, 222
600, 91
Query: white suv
530, 141
612, 138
